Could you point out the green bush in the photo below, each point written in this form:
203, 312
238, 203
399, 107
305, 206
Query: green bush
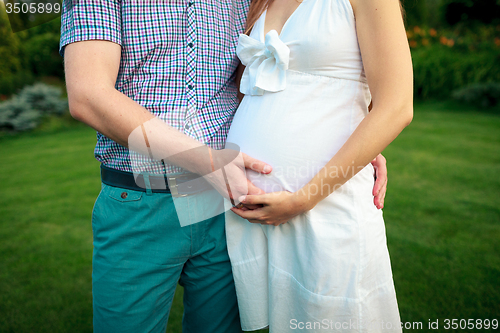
42, 54
11, 83
439, 70
480, 94
41, 49
25, 110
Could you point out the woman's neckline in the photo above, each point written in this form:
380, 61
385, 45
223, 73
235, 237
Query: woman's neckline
264, 15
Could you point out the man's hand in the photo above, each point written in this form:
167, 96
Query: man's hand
380, 188
229, 178
257, 166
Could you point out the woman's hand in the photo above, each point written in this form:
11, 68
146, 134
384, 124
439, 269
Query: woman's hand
277, 207
380, 188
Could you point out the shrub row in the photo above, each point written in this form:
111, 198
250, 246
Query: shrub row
439, 70
484, 95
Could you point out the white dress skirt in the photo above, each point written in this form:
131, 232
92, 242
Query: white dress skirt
327, 270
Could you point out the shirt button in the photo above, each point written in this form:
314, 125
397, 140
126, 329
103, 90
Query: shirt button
190, 44
124, 195
186, 126
190, 87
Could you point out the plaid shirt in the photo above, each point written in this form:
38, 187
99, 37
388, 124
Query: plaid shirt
178, 61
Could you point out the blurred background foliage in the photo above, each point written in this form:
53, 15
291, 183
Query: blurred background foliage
31, 75
454, 43
442, 215
28, 56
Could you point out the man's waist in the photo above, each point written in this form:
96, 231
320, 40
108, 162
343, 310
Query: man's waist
178, 184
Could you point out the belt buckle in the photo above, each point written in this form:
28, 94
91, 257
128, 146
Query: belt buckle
172, 184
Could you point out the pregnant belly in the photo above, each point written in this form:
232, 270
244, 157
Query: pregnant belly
298, 130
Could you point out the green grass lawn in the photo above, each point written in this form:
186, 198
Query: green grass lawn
442, 215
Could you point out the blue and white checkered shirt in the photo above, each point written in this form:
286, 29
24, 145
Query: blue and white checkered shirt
178, 61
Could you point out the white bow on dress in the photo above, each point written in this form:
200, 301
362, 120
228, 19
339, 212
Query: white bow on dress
266, 64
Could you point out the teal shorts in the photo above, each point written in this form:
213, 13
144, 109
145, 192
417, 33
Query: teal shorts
140, 254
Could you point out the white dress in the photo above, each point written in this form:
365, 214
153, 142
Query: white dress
305, 93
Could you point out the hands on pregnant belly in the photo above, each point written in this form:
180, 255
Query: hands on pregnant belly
227, 174
281, 199
276, 207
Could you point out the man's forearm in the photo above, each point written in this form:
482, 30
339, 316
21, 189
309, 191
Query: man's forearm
117, 117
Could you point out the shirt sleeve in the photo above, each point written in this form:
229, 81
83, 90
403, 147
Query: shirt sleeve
83, 20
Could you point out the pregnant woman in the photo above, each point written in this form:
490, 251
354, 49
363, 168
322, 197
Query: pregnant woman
328, 85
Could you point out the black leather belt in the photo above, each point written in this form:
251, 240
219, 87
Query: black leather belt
158, 183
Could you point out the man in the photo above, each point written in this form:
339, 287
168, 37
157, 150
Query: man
127, 62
